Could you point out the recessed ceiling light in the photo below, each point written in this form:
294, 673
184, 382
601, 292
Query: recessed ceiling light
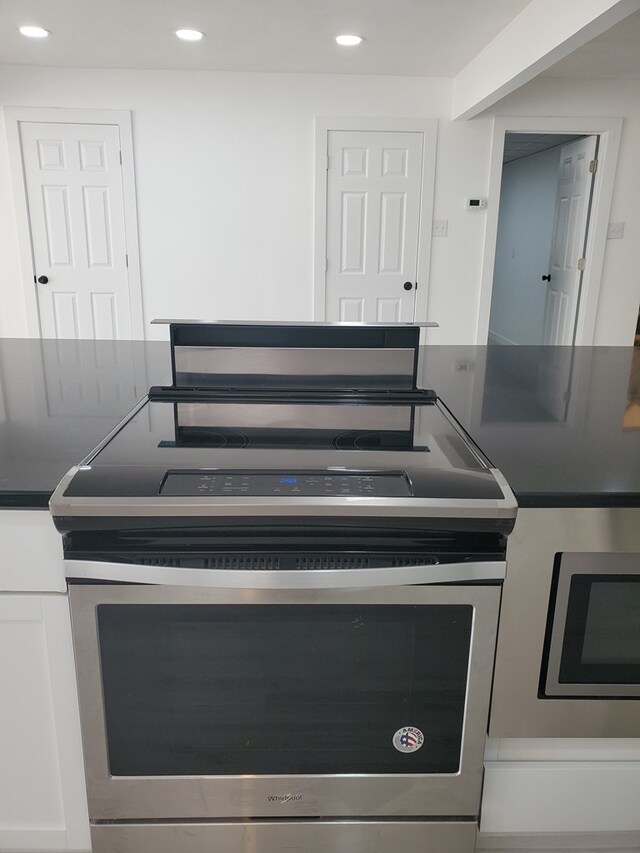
189, 35
349, 41
34, 32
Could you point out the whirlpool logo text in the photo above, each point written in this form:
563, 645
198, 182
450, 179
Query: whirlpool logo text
284, 798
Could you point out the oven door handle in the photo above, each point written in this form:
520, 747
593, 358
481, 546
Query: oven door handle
440, 573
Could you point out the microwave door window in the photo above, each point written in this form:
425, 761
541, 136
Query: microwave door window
601, 642
274, 689
612, 628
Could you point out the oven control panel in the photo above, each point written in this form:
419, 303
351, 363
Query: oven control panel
308, 484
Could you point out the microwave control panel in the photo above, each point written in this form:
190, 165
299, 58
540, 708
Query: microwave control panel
308, 484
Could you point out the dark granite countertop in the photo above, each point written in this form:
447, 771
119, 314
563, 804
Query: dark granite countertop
58, 399
562, 424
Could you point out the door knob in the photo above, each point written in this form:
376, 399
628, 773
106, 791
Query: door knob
546, 278
43, 279
407, 285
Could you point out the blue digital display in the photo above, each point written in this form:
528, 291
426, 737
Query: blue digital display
289, 481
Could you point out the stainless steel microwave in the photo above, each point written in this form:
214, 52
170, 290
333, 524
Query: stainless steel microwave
592, 645
568, 653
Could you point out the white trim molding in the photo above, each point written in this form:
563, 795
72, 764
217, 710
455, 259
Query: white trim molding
559, 842
609, 131
429, 129
560, 796
122, 118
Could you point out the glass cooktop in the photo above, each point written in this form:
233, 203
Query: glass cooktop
296, 449
237, 435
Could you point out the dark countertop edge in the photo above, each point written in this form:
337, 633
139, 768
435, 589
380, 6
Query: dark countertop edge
24, 500
542, 500
533, 500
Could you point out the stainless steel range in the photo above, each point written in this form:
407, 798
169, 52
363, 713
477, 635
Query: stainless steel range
285, 586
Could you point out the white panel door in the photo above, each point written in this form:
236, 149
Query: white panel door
73, 178
374, 181
573, 198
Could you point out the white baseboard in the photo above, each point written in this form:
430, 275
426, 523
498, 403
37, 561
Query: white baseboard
495, 338
586, 842
561, 797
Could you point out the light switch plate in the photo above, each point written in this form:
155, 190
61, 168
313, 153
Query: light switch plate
440, 227
615, 231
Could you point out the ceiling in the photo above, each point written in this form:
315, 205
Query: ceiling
615, 54
402, 37
518, 145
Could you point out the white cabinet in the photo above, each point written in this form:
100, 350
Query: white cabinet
561, 785
30, 552
43, 802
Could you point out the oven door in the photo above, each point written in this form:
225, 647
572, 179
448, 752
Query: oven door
592, 646
239, 703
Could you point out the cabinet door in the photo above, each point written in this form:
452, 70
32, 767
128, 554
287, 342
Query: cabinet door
31, 551
42, 791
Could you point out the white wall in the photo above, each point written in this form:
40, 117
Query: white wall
224, 166
525, 226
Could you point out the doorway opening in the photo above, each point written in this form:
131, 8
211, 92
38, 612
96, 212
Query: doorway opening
607, 132
543, 227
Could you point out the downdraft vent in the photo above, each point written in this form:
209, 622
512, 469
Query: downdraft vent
413, 561
331, 562
242, 563
238, 562
266, 562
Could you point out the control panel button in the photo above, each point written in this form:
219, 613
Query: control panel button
286, 483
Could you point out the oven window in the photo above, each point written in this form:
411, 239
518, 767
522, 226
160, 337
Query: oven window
602, 634
275, 689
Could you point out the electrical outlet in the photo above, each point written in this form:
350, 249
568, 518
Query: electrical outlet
440, 227
615, 231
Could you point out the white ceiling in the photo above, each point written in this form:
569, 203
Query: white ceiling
615, 54
519, 145
403, 37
